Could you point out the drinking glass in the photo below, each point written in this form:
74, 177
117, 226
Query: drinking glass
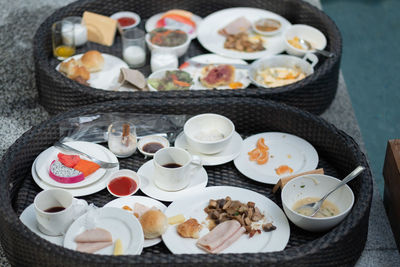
63, 38
134, 47
80, 30
122, 139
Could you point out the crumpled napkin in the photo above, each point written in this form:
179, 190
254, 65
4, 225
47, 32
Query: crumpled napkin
133, 77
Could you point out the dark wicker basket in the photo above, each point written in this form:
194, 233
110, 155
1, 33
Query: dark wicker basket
338, 153
315, 93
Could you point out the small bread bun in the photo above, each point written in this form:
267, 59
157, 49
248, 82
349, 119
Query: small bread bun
154, 223
92, 60
78, 71
68, 66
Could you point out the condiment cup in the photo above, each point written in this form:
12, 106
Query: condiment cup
178, 50
124, 173
316, 185
267, 33
151, 139
314, 36
127, 14
198, 127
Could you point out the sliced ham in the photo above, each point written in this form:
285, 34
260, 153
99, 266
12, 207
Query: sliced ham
221, 237
94, 235
237, 26
91, 247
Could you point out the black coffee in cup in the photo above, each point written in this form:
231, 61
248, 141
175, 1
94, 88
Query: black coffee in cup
172, 165
55, 209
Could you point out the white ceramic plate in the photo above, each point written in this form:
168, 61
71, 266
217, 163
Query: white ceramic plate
119, 223
197, 182
152, 21
284, 149
229, 153
107, 78
45, 159
28, 217
192, 206
240, 74
210, 39
130, 201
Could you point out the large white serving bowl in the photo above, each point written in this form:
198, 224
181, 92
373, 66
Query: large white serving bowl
314, 36
208, 122
316, 185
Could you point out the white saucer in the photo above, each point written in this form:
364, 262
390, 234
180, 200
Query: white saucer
229, 153
28, 217
146, 172
130, 201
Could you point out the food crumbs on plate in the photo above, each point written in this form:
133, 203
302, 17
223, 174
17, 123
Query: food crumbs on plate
289, 156
127, 208
176, 219
302, 186
118, 250
283, 169
260, 154
235, 85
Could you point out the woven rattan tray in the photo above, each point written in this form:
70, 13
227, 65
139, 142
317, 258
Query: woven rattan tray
338, 153
315, 93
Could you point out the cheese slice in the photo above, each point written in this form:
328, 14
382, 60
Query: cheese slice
118, 249
101, 29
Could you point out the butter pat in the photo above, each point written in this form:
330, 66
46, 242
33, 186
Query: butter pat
100, 29
118, 250
176, 219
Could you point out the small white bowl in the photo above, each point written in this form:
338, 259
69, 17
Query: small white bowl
179, 50
267, 33
212, 124
128, 14
159, 74
151, 139
314, 36
128, 173
316, 185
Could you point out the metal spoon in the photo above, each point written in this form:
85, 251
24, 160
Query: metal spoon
306, 44
316, 206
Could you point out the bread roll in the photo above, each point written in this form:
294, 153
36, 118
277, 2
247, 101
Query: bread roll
68, 66
92, 60
78, 71
154, 223
190, 229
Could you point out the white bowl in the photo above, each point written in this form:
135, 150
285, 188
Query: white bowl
306, 64
160, 74
179, 50
151, 139
211, 124
128, 173
129, 14
316, 185
267, 33
316, 38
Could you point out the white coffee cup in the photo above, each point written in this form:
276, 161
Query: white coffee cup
56, 209
173, 168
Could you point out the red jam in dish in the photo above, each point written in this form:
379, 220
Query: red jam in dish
126, 21
122, 186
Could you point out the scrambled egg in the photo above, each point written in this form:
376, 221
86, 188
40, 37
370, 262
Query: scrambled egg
279, 76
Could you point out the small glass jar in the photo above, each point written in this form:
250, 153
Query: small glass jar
122, 139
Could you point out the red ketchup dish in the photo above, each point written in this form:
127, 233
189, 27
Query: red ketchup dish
126, 20
123, 183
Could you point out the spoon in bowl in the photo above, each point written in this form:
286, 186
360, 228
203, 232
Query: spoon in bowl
316, 206
306, 44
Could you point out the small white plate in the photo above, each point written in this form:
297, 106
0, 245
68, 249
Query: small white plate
107, 78
146, 172
284, 149
152, 21
28, 217
229, 153
120, 224
211, 40
192, 206
130, 201
241, 75
45, 159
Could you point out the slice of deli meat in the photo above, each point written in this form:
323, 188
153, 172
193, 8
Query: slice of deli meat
221, 237
94, 235
239, 25
91, 247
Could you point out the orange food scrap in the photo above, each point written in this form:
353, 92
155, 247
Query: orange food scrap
260, 153
86, 167
283, 169
263, 158
261, 144
235, 85
136, 214
127, 208
184, 65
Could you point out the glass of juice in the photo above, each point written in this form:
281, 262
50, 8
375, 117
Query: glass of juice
62, 33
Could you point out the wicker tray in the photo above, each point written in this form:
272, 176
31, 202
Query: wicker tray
58, 93
338, 153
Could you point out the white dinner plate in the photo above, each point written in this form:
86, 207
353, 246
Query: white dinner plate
120, 224
107, 78
130, 201
28, 217
45, 159
241, 75
192, 206
284, 149
210, 39
229, 153
146, 172
152, 21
